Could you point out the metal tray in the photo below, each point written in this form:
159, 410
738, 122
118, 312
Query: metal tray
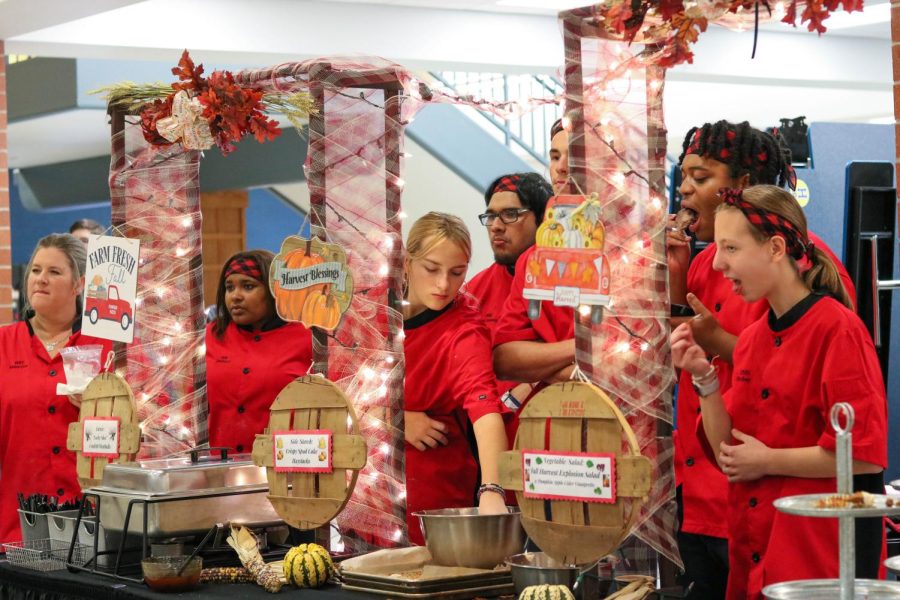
176, 515
387, 583
893, 565
825, 589
180, 475
481, 592
805, 506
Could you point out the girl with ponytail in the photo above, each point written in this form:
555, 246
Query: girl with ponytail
770, 433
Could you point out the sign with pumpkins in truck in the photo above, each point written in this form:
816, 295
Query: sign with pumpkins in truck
568, 266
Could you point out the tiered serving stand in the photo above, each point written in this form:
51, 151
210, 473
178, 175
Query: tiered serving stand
848, 587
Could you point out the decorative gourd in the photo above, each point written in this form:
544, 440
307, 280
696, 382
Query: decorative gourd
321, 309
290, 303
308, 565
546, 591
550, 234
598, 236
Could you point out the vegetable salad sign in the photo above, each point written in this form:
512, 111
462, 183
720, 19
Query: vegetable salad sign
110, 287
579, 476
311, 282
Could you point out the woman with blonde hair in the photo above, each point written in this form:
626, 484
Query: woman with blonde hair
34, 419
449, 378
770, 433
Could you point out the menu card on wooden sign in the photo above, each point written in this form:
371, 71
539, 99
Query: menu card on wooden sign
100, 437
303, 451
576, 476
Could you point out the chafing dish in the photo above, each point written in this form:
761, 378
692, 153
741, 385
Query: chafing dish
182, 497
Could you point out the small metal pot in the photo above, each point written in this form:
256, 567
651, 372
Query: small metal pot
536, 568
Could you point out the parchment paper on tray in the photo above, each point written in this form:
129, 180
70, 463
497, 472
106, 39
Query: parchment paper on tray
409, 564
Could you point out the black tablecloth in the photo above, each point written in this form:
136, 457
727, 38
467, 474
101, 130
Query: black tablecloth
17, 583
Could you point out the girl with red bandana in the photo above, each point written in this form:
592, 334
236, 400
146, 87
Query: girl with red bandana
769, 432
715, 155
251, 353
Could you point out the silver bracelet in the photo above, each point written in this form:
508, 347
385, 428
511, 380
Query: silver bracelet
708, 383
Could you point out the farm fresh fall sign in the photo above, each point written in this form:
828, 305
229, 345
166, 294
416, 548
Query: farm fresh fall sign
110, 287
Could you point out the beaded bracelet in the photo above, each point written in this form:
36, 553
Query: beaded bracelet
491, 487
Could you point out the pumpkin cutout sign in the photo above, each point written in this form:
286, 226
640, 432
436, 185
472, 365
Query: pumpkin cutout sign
311, 282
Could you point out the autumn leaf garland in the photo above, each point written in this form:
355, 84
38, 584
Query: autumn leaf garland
231, 111
676, 24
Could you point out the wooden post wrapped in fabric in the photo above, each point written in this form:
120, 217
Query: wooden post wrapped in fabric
109, 402
310, 498
567, 419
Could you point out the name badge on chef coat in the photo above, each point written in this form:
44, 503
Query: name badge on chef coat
100, 437
303, 451
576, 476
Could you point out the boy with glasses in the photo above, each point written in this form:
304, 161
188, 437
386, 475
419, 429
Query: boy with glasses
515, 208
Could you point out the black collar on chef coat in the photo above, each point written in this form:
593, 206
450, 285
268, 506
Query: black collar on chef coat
274, 322
425, 317
793, 315
76, 326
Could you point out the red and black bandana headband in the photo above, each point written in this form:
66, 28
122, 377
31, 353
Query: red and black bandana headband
771, 224
244, 266
724, 153
510, 183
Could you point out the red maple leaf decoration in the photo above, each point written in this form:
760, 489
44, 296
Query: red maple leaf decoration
150, 114
231, 110
188, 73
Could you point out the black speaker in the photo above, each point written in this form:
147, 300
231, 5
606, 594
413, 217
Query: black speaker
796, 133
871, 220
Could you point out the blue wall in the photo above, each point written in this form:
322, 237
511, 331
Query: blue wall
269, 220
27, 227
832, 146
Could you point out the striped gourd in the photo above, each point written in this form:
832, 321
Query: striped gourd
308, 565
546, 592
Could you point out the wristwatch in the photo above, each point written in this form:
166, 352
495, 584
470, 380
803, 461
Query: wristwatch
682, 310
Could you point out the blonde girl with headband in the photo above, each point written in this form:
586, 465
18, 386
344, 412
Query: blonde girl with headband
770, 433
449, 381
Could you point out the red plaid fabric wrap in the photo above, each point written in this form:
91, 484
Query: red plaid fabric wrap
156, 198
244, 266
772, 224
617, 148
510, 183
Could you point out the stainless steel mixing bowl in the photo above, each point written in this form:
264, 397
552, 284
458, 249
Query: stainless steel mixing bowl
460, 537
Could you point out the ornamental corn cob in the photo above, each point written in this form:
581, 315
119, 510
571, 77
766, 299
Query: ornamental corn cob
226, 575
244, 543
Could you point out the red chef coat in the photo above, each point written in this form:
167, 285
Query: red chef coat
449, 375
704, 488
554, 324
34, 422
788, 373
245, 371
491, 288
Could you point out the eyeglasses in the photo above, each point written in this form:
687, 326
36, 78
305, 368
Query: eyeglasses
507, 215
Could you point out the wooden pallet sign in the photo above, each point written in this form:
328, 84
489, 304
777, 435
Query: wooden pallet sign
311, 444
107, 430
577, 460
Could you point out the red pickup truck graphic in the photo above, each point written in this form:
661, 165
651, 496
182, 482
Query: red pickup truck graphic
568, 266
103, 303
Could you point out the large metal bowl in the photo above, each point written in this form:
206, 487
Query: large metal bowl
536, 568
460, 537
